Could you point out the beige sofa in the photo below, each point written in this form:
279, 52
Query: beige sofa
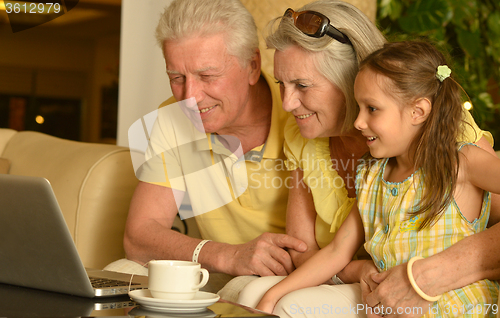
92, 182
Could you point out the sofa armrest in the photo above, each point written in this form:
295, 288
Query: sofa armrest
93, 184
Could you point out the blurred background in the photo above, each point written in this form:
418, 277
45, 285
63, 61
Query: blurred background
61, 77
92, 70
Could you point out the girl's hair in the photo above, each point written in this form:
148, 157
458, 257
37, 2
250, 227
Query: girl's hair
336, 61
206, 17
411, 66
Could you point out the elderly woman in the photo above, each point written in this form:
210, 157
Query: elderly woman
318, 49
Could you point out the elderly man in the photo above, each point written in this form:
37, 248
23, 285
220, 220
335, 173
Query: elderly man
212, 58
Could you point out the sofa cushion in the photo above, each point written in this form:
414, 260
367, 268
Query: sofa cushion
4, 166
5, 136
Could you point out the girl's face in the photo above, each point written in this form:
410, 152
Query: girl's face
386, 124
317, 104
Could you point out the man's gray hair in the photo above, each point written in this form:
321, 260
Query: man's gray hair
183, 18
336, 61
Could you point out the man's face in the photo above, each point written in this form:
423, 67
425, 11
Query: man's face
200, 68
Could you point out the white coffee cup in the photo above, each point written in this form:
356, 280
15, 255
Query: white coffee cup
175, 279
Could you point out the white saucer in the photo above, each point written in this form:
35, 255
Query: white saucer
199, 303
141, 311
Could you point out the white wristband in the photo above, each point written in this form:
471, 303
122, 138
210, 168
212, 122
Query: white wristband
197, 250
337, 281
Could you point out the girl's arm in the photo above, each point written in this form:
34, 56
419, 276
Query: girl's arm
322, 265
301, 217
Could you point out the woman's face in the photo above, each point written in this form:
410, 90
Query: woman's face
317, 104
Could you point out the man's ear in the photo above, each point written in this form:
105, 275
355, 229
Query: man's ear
255, 67
420, 111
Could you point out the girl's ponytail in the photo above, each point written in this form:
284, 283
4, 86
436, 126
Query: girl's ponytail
437, 152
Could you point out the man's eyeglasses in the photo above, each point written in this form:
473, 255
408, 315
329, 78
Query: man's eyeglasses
315, 24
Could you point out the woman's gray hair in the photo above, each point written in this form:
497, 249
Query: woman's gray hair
336, 61
183, 18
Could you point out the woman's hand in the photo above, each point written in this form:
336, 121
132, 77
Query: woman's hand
392, 290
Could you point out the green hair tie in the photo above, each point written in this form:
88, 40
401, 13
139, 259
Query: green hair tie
443, 72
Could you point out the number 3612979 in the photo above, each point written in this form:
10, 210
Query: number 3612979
30, 7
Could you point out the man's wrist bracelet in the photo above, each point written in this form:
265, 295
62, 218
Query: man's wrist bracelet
414, 284
197, 250
337, 281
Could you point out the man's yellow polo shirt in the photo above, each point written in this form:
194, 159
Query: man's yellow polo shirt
235, 197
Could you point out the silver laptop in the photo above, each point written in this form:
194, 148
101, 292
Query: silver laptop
36, 248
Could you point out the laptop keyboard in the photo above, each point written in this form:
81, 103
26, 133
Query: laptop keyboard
105, 282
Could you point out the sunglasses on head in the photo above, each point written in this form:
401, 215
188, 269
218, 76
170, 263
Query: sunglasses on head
315, 24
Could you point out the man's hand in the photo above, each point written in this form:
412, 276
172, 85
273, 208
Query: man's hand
395, 293
265, 255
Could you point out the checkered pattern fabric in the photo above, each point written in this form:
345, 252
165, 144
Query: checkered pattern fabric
392, 236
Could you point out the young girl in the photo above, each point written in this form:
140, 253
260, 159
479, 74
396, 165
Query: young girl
420, 191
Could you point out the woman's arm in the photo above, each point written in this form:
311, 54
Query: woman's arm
323, 264
474, 258
495, 198
301, 218
481, 168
